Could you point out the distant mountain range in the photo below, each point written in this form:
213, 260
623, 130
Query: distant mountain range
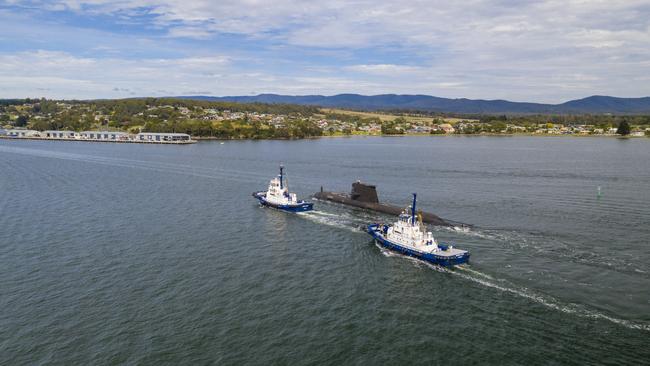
593, 105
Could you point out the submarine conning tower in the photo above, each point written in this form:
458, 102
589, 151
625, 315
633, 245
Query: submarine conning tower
364, 192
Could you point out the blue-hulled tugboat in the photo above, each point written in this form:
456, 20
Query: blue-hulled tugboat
278, 196
409, 236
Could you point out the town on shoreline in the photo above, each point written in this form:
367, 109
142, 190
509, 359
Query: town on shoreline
130, 118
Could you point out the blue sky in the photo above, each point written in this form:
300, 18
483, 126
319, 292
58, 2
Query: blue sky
540, 51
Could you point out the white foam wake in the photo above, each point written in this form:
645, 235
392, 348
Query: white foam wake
548, 301
467, 273
336, 221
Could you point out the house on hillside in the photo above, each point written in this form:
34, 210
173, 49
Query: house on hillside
447, 128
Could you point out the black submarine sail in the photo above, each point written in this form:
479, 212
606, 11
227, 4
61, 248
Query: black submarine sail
365, 196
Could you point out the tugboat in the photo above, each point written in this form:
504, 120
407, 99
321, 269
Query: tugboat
278, 196
408, 236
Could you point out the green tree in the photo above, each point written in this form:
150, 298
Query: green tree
499, 126
21, 121
623, 128
392, 127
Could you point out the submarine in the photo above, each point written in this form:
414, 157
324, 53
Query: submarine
365, 196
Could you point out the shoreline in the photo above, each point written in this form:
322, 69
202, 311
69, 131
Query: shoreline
196, 139
104, 141
209, 138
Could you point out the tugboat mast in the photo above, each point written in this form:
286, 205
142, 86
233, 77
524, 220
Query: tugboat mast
281, 168
413, 210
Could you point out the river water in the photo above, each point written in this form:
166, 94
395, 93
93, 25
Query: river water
149, 254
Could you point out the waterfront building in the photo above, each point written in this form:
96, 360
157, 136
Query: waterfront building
162, 137
23, 133
60, 134
104, 135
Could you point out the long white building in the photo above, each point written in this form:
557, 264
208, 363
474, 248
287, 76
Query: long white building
163, 137
60, 134
22, 133
104, 135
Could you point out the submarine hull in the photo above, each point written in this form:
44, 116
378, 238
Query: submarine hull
376, 206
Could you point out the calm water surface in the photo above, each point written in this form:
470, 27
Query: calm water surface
150, 255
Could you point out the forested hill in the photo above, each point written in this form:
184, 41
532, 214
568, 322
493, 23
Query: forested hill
590, 105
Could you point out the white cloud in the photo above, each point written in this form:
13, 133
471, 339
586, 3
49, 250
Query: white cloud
64, 75
387, 69
189, 32
61, 75
341, 23
543, 50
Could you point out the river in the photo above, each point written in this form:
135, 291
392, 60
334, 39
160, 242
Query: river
154, 254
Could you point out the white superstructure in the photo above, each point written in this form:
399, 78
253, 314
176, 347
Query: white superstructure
278, 194
412, 234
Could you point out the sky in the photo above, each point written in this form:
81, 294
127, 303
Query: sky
521, 50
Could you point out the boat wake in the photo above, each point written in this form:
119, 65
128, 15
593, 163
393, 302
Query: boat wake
486, 280
341, 221
467, 273
472, 232
551, 247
